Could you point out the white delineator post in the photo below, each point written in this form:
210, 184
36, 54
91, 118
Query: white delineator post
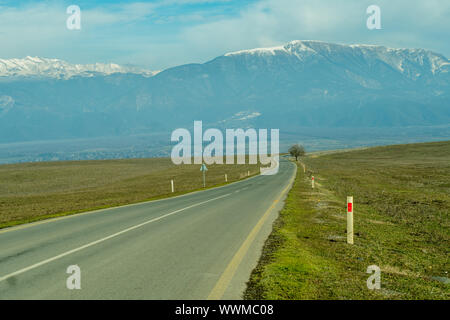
226, 178
171, 184
350, 220
312, 182
248, 173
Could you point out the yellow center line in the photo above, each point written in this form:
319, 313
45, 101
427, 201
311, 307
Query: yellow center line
226, 277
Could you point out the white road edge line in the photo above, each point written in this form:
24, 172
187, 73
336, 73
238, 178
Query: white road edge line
36, 265
39, 222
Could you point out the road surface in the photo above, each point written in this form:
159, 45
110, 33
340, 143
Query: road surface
202, 245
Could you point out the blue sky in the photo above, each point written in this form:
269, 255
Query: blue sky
163, 33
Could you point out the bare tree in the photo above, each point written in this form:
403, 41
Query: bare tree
297, 151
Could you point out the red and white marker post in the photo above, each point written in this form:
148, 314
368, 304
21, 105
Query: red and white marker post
312, 182
350, 220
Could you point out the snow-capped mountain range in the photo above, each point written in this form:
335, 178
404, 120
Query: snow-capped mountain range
59, 69
401, 60
298, 85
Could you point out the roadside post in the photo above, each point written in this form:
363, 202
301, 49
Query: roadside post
312, 182
171, 184
350, 220
226, 178
203, 168
248, 173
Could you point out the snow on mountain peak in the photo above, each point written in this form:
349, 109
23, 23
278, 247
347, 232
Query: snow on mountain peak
55, 68
401, 59
258, 51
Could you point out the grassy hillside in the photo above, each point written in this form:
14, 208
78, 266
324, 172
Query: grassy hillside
35, 191
401, 223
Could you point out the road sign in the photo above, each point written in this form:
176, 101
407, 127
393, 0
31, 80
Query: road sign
203, 168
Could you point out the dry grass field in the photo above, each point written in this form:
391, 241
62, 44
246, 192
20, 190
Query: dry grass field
401, 224
34, 191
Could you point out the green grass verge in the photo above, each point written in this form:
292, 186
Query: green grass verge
402, 204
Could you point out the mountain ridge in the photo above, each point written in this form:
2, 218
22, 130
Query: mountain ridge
393, 56
60, 69
297, 85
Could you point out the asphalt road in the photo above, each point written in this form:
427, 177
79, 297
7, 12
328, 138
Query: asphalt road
201, 245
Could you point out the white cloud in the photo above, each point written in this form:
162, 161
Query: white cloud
273, 22
144, 33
